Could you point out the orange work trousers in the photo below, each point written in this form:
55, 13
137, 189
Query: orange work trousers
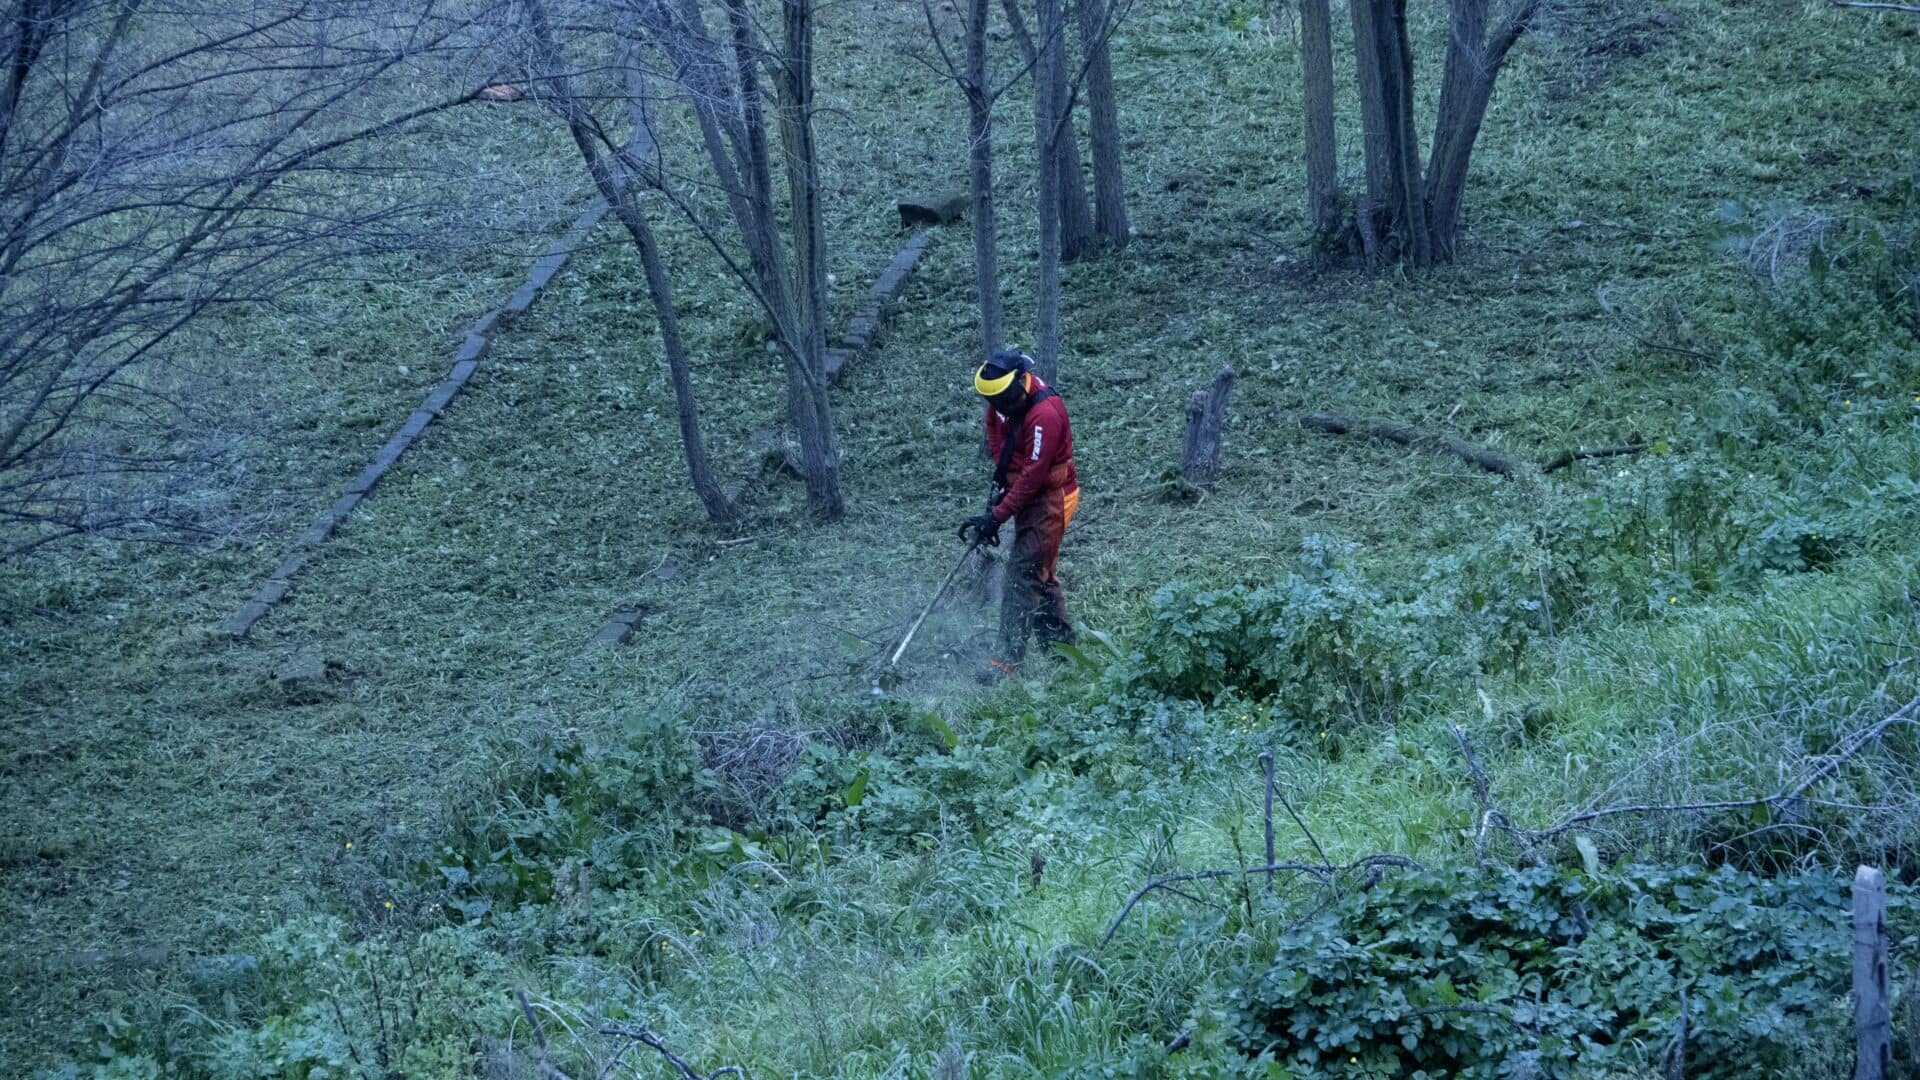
1034, 604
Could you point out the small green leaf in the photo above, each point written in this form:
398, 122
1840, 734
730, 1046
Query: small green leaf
1589, 854
1079, 657
855, 791
943, 729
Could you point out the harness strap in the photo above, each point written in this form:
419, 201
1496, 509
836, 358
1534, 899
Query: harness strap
1013, 435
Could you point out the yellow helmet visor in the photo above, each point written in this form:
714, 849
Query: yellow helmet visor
992, 387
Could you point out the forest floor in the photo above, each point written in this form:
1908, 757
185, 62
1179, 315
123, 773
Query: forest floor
165, 791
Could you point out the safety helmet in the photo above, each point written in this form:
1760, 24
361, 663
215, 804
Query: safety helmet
998, 375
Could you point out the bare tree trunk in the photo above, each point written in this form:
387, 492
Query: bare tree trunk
1323, 180
700, 69
761, 227
1393, 146
807, 380
980, 157
1063, 150
1396, 67
1376, 143
1047, 127
1465, 91
1076, 212
660, 290
1416, 216
1103, 128
619, 193
723, 87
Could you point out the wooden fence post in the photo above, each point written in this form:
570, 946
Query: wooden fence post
1206, 419
1873, 1012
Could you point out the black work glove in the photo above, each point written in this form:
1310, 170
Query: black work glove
985, 529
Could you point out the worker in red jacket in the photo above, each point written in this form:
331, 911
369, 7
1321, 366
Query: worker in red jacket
1035, 486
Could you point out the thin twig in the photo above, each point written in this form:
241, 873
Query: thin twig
1490, 814
1626, 324
647, 1038
1323, 872
1287, 804
1266, 766
547, 1068
1908, 8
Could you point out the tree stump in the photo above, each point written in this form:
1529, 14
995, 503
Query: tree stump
1206, 420
1873, 1010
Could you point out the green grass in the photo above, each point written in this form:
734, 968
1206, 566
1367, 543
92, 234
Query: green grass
165, 791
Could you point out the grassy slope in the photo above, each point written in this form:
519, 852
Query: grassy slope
176, 797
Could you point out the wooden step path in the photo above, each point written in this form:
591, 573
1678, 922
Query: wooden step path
465, 361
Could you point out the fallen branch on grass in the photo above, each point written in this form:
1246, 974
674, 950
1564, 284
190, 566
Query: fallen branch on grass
1843, 751
1568, 457
1401, 435
1323, 872
1908, 8
1641, 338
1491, 460
648, 1039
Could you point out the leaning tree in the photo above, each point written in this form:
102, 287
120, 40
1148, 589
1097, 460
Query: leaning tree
589, 57
622, 170
775, 248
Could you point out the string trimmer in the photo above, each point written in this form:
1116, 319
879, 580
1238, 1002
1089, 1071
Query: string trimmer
913, 628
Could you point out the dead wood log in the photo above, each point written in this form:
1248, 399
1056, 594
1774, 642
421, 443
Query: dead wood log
1206, 421
1907, 8
1568, 457
932, 210
1401, 435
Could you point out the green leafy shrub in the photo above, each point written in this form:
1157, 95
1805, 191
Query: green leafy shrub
1326, 641
1322, 640
560, 801
1469, 974
1675, 526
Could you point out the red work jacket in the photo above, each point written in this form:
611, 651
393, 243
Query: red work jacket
1042, 451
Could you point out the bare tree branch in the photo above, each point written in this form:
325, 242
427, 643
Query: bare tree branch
1841, 752
1321, 871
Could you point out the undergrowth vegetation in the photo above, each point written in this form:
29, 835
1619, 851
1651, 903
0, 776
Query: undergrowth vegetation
712, 838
